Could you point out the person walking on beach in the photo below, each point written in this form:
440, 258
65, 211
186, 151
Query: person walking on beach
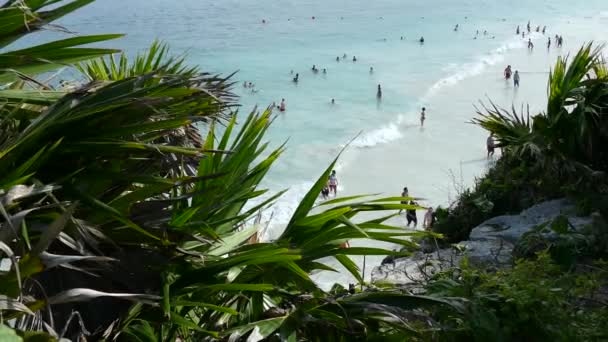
490, 145
379, 92
422, 116
411, 215
516, 79
508, 72
404, 193
333, 183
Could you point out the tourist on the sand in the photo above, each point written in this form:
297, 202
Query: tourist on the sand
421, 40
411, 215
422, 116
282, 105
333, 182
379, 92
325, 191
296, 79
485, 33
490, 145
516, 79
291, 72
508, 72
404, 193
314, 69
429, 219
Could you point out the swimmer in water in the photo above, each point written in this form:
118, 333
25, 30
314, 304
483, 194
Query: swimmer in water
324, 71
296, 79
379, 92
354, 58
421, 40
344, 56
508, 72
282, 105
333, 101
371, 70
337, 59
456, 28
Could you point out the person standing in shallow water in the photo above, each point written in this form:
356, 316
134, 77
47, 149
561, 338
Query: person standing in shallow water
379, 92
404, 193
333, 183
422, 116
516, 79
411, 215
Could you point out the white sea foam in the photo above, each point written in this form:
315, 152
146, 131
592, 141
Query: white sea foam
382, 135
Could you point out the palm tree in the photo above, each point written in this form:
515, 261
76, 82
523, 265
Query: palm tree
571, 132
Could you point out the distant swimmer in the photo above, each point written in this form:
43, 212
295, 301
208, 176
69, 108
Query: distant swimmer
508, 72
324, 71
344, 56
517, 31
333, 182
422, 116
333, 101
291, 72
401, 37
456, 28
354, 58
530, 44
314, 68
313, 17
282, 105
338, 59
516, 79
485, 33
379, 92
263, 21
490, 145
544, 29
421, 40
371, 70
297, 78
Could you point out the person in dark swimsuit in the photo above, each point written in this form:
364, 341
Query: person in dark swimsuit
411, 215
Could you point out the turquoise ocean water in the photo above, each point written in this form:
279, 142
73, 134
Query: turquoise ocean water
447, 75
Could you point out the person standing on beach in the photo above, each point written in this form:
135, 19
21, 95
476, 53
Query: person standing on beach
404, 193
379, 92
508, 72
490, 145
422, 116
333, 183
516, 79
429, 219
411, 215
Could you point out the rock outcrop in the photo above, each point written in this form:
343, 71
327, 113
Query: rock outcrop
490, 244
